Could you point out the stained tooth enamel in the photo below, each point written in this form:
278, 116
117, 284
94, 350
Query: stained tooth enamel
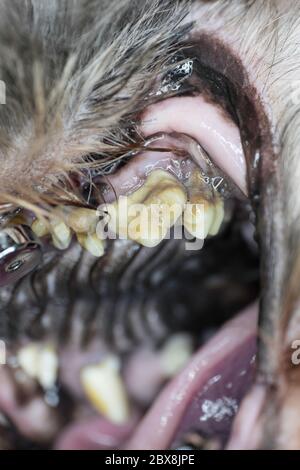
198, 217
40, 228
92, 243
105, 389
218, 219
61, 234
163, 199
39, 362
175, 353
82, 220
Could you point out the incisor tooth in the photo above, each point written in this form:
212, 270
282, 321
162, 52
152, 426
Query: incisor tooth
104, 388
92, 243
82, 220
198, 217
175, 353
39, 362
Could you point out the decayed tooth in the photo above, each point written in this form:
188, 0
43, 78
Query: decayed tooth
105, 389
61, 234
162, 198
218, 218
198, 217
92, 243
175, 353
82, 220
40, 227
39, 362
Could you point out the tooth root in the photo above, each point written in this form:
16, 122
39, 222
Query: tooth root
82, 220
175, 354
39, 362
92, 243
40, 228
104, 388
61, 234
198, 217
218, 218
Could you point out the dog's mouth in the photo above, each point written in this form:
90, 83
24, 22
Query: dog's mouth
146, 340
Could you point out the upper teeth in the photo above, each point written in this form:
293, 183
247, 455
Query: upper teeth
145, 216
81, 221
164, 200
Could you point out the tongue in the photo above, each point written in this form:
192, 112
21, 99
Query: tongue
205, 396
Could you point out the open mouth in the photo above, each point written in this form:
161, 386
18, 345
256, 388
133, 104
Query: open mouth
149, 337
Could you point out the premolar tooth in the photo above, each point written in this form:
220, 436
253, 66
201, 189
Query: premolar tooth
40, 227
92, 243
175, 353
40, 362
82, 220
218, 218
163, 199
61, 234
105, 389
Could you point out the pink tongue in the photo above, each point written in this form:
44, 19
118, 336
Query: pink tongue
224, 360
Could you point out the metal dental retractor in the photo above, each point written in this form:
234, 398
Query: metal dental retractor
20, 252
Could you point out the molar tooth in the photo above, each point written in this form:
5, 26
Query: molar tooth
175, 353
105, 389
82, 220
218, 219
92, 243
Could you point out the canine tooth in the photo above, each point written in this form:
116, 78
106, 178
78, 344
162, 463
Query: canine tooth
40, 228
92, 243
105, 389
175, 353
198, 217
82, 220
61, 234
218, 219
